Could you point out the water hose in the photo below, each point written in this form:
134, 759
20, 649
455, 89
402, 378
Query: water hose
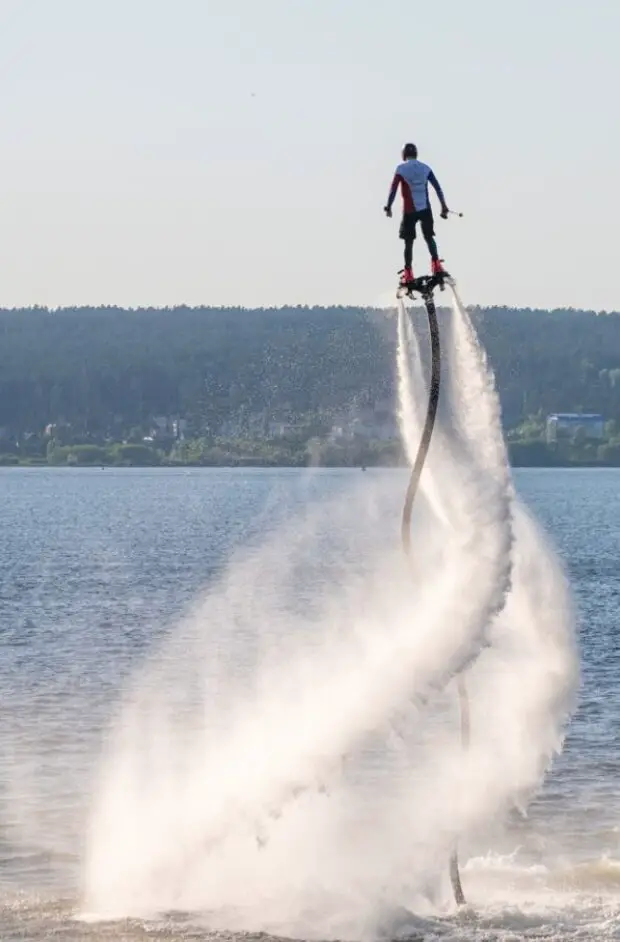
425, 287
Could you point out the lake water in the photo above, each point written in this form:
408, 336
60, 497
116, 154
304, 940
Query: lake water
97, 566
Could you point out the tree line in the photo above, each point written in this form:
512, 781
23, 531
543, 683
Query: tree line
106, 371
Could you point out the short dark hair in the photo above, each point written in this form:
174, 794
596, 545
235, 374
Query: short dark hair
410, 150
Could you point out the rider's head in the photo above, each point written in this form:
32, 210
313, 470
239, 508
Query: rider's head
410, 151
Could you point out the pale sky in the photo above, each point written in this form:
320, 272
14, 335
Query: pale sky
158, 152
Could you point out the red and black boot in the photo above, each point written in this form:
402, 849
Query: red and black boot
406, 277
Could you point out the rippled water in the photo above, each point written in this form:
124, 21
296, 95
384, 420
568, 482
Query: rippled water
95, 566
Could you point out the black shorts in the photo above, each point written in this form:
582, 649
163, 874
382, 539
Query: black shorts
410, 221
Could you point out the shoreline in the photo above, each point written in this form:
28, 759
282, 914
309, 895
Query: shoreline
264, 466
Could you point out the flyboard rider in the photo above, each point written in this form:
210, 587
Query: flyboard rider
413, 178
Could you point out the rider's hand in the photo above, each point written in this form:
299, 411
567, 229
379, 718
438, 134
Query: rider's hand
444, 212
388, 211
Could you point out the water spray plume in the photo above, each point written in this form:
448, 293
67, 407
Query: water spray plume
290, 758
416, 471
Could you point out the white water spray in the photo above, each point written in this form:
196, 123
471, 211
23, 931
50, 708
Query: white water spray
467, 464
212, 794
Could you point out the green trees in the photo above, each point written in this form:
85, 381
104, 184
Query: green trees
134, 455
95, 455
102, 374
76, 454
99, 369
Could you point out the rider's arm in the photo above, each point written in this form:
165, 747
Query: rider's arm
434, 182
393, 190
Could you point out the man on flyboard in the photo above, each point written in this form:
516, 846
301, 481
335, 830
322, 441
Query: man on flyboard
413, 177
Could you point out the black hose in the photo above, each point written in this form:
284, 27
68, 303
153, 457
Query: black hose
455, 877
429, 423
412, 488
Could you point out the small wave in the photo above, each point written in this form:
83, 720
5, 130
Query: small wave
601, 874
504, 863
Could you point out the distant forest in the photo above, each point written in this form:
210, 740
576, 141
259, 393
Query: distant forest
105, 371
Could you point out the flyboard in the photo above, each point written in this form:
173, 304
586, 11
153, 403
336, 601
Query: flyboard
424, 287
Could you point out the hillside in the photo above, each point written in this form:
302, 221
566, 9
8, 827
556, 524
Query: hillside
107, 372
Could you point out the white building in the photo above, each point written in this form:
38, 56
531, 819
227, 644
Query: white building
565, 424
